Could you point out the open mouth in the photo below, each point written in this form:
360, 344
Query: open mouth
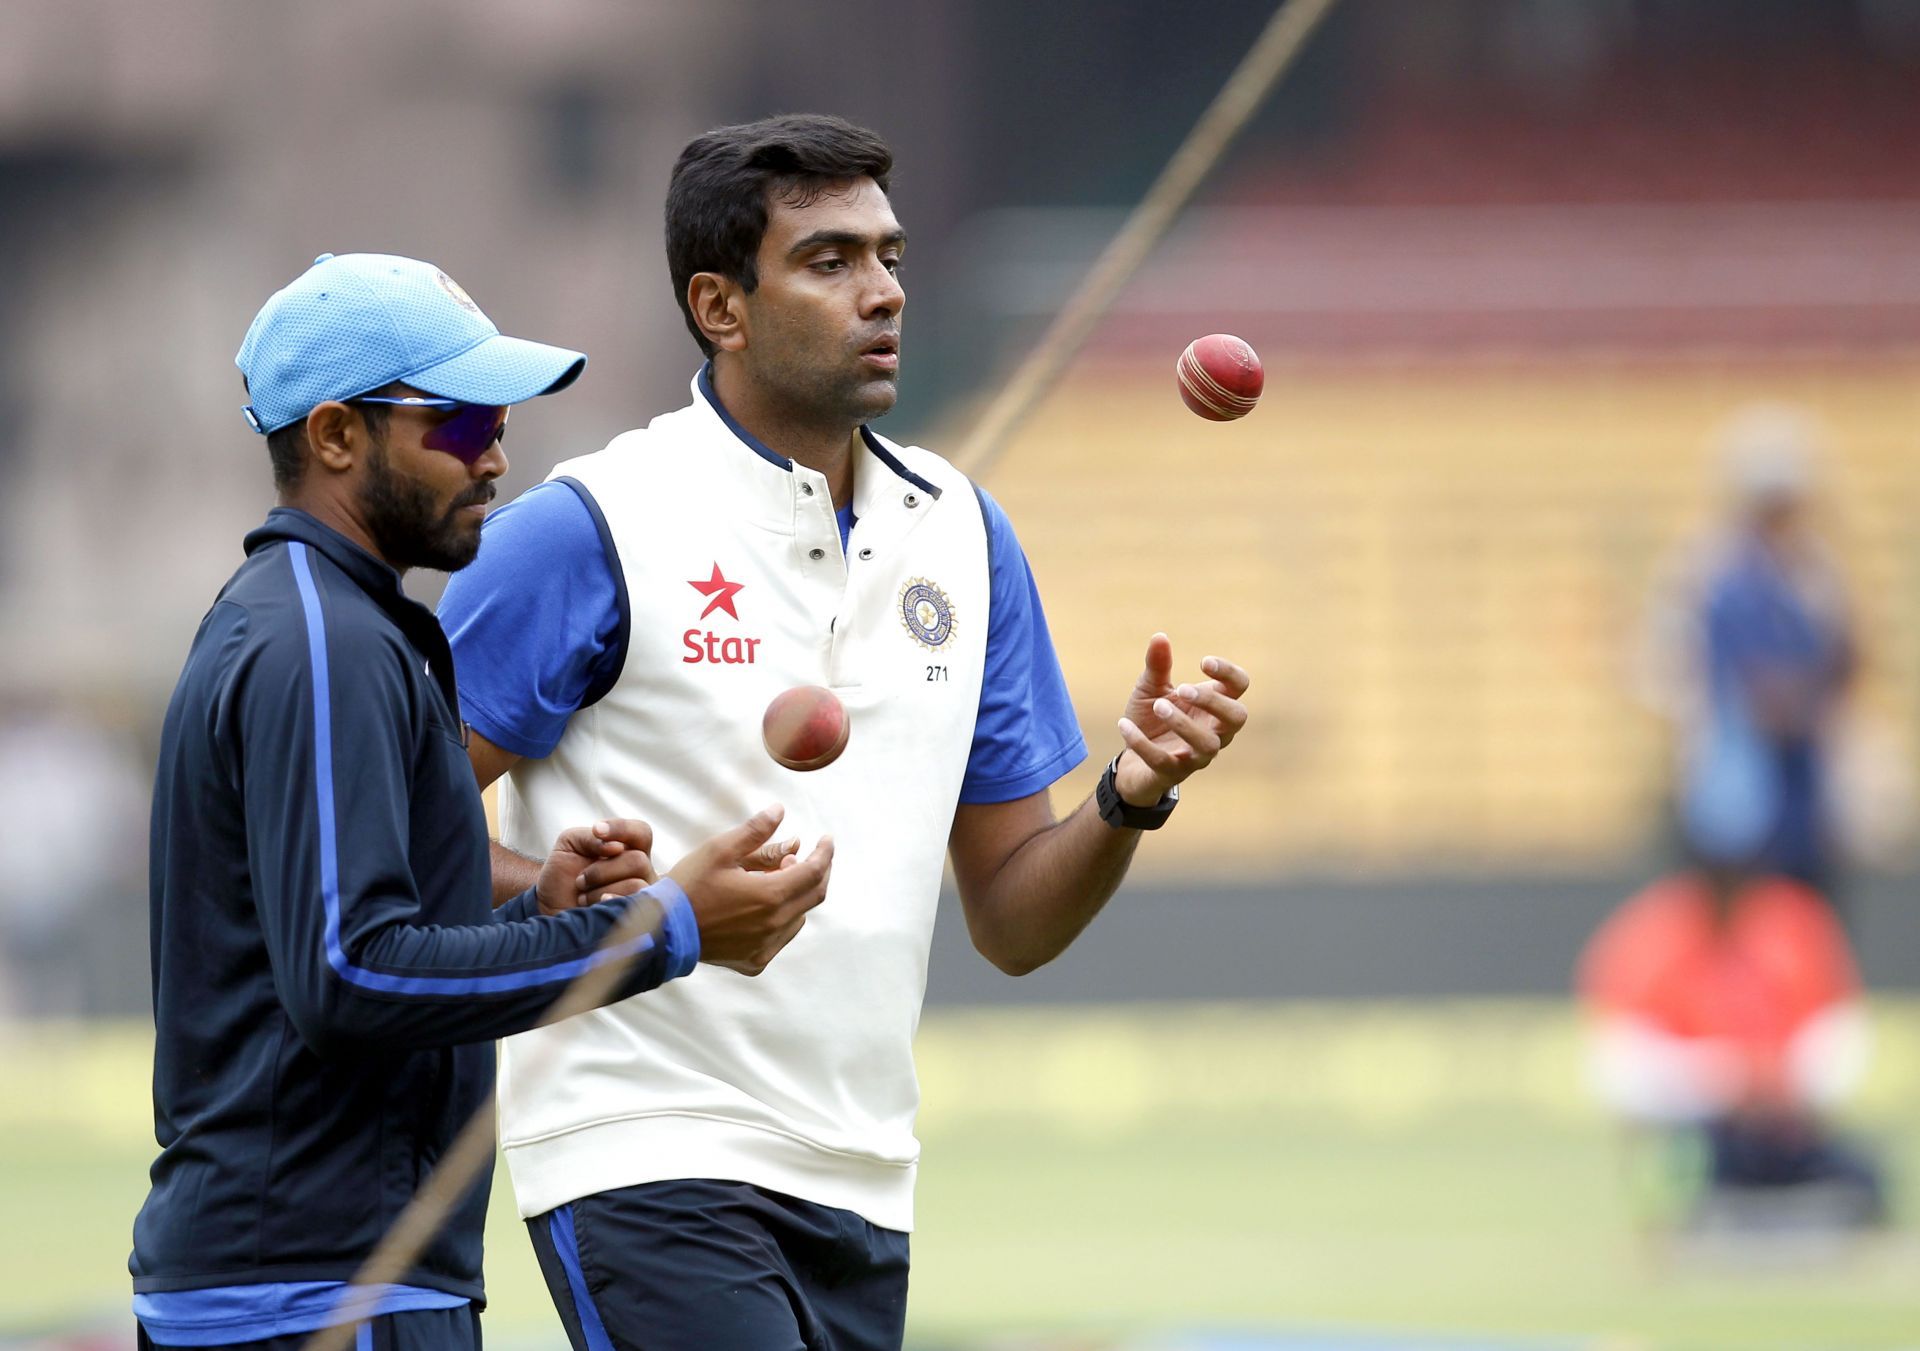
885, 353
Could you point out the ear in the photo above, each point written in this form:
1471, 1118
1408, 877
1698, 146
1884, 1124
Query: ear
719, 307
336, 437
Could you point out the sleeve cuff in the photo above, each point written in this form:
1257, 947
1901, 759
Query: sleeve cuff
524, 906
680, 933
507, 738
1025, 783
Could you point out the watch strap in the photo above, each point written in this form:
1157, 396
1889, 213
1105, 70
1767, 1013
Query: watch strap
1117, 812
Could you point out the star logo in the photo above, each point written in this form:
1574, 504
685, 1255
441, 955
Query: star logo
720, 593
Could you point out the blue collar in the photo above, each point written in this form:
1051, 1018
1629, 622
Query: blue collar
375, 577
752, 442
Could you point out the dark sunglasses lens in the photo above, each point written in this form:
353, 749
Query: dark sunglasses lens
469, 433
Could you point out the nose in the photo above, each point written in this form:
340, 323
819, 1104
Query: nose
887, 297
491, 464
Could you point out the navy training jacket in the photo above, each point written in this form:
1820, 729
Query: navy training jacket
328, 970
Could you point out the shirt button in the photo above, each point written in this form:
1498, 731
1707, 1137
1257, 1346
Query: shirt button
806, 490
912, 499
816, 554
866, 554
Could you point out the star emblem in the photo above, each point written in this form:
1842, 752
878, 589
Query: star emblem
720, 593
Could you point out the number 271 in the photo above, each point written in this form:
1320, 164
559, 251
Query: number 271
936, 673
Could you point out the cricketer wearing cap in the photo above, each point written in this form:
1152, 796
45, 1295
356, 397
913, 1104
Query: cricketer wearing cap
730, 1164
327, 965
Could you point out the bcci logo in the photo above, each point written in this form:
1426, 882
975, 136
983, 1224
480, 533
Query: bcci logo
927, 613
457, 291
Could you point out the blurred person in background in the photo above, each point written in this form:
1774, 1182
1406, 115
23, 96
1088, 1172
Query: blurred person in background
58, 768
1725, 998
1750, 655
1726, 1009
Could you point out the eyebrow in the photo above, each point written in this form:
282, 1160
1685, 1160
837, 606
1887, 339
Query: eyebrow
846, 238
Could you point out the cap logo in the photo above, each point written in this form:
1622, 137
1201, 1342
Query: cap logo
459, 294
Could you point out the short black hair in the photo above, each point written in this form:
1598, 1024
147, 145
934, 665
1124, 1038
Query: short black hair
717, 198
287, 447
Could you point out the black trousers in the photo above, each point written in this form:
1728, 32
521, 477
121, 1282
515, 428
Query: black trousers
703, 1265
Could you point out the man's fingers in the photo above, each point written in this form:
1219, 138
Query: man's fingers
626, 888
624, 832
1232, 678
1155, 757
806, 880
771, 857
631, 864
747, 837
1209, 698
577, 840
606, 839
1159, 663
1204, 742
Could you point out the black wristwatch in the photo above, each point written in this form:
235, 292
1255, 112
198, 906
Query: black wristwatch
1117, 812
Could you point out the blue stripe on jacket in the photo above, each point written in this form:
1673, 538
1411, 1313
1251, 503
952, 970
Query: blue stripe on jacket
330, 857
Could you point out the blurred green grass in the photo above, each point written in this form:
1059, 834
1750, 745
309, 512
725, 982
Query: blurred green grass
1108, 1173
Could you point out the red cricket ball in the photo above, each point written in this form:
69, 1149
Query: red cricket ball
1220, 377
805, 727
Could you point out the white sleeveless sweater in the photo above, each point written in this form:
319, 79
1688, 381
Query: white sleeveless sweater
800, 1079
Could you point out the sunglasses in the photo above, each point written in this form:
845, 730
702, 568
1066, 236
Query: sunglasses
468, 433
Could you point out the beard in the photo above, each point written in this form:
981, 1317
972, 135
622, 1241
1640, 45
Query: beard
409, 527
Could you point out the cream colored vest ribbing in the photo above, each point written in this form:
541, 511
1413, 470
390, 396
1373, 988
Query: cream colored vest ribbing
800, 1079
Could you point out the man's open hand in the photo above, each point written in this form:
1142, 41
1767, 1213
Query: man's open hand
750, 896
1174, 731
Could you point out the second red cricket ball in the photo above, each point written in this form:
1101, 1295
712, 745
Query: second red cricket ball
1220, 377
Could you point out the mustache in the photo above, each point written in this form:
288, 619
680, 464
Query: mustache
481, 495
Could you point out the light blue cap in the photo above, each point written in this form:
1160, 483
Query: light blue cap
354, 322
